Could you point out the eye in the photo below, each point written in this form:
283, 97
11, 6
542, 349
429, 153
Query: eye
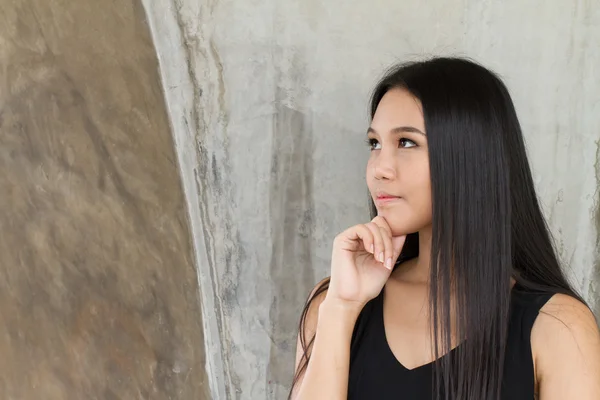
372, 143
406, 143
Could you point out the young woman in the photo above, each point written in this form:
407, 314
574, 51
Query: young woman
453, 290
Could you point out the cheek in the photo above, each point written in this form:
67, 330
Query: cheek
369, 169
415, 178
423, 189
413, 213
422, 193
406, 217
370, 177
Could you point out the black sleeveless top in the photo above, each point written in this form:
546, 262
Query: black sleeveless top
375, 373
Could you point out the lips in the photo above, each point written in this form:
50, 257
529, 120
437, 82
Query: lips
385, 196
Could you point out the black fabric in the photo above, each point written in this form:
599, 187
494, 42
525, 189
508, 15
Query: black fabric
375, 373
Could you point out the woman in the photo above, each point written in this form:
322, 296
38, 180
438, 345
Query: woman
453, 290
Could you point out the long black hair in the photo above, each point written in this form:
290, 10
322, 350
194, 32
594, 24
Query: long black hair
487, 223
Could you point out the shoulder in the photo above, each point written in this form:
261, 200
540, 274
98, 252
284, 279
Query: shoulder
564, 315
566, 349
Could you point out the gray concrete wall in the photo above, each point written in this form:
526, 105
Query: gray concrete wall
268, 100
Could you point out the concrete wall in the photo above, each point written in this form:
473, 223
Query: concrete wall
98, 290
162, 228
268, 105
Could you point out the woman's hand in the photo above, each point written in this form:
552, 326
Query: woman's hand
362, 261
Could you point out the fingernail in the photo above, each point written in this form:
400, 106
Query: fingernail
388, 263
381, 257
372, 248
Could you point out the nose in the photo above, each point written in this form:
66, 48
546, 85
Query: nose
384, 167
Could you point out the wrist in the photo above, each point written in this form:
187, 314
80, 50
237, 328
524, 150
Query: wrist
341, 308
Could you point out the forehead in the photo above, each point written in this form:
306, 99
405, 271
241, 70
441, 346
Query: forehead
398, 108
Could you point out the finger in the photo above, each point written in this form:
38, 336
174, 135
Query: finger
357, 237
395, 247
389, 248
382, 223
380, 248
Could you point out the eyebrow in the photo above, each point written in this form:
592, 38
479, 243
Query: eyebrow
399, 129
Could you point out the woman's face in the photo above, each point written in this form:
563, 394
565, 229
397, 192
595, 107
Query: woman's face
399, 163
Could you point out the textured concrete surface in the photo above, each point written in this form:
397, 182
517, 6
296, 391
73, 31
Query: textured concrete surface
268, 103
98, 291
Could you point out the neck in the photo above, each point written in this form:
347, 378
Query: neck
422, 267
417, 270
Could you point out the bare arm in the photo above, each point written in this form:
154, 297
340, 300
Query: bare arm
566, 347
357, 276
326, 376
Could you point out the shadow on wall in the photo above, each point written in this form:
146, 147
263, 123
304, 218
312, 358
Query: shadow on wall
292, 215
98, 292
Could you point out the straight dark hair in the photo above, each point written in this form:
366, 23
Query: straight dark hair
487, 223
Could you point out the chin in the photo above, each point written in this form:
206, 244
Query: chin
400, 224
400, 230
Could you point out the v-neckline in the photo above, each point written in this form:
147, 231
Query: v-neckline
389, 349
